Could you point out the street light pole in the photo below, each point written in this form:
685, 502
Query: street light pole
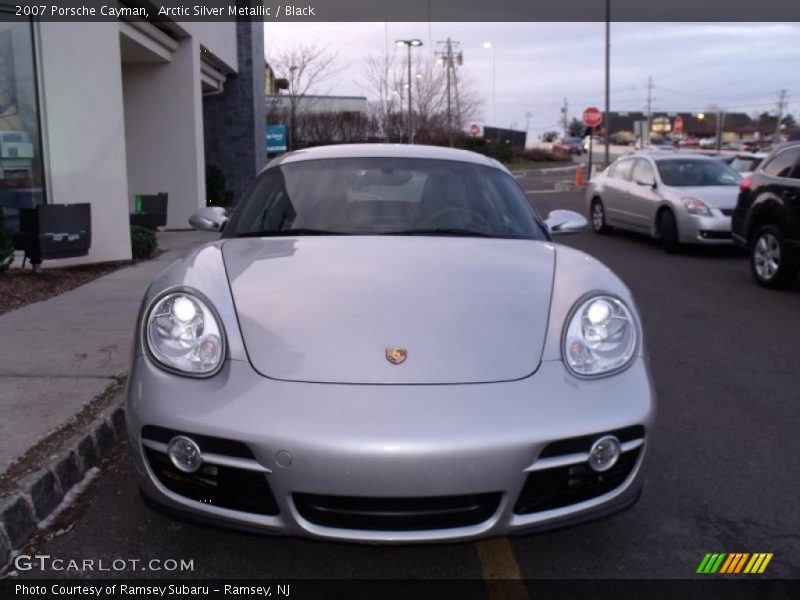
408, 44
490, 46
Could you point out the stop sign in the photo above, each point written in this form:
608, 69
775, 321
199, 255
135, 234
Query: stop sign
474, 129
592, 117
678, 128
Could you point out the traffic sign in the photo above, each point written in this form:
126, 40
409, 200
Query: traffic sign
592, 117
474, 129
678, 127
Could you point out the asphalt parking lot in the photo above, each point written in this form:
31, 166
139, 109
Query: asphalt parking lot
721, 476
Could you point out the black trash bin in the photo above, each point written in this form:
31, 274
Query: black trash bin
151, 211
52, 231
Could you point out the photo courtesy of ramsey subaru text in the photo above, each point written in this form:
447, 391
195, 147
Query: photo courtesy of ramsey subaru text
386, 345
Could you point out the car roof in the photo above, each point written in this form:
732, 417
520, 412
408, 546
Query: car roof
384, 151
663, 155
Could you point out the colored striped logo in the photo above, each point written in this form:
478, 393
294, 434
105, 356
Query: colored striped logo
734, 563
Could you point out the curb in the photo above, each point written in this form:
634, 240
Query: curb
36, 495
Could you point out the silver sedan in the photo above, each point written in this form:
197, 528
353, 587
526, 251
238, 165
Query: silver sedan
676, 198
386, 345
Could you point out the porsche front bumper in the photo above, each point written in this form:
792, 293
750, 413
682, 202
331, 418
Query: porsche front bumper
389, 463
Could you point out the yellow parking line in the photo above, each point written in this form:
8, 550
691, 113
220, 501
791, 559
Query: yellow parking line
500, 570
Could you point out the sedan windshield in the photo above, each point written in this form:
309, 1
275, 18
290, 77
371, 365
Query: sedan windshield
696, 172
385, 196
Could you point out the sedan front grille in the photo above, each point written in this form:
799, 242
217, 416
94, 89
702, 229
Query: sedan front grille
397, 514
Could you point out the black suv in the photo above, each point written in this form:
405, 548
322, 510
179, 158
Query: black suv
767, 217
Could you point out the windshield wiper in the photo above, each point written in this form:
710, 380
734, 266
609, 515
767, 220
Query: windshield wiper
448, 231
290, 233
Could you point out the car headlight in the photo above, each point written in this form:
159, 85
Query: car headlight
183, 334
600, 337
695, 206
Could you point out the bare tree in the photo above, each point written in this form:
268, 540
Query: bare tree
384, 79
305, 68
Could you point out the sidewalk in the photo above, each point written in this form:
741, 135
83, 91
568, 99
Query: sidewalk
58, 355
63, 362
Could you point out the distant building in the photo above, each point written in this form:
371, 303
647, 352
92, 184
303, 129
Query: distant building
734, 123
311, 104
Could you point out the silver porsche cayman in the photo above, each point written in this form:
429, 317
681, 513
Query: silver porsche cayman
385, 344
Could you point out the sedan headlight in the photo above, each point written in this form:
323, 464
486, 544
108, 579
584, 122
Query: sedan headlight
695, 206
600, 336
183, 334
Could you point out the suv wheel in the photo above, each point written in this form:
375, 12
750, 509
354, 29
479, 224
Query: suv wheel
766, 259
669, 232
598, 215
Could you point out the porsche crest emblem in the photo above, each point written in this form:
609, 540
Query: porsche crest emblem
396, 355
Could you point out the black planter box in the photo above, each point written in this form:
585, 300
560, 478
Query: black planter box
151, 211
52, 231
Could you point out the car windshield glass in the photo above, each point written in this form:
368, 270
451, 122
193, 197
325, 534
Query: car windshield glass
745, 164
689, 173
385, 196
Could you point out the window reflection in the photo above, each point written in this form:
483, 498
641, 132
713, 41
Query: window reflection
21, 177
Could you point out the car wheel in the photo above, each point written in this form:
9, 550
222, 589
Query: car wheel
767, 252
669, 232
598, 216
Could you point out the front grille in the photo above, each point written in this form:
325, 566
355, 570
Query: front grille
397, 514
225, 486
728, 212
569, 484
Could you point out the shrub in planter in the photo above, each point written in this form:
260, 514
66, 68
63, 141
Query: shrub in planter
143, 242
6, 244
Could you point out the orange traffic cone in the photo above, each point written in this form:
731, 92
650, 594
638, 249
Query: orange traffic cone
579, 176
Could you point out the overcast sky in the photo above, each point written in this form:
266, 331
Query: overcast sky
737, 66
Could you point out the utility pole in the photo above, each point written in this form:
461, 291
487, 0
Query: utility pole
781, 107
450, 56
528, 115
649, 108
564, 111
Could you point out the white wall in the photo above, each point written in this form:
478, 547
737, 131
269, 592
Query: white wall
217, 36
84, 129
164, 129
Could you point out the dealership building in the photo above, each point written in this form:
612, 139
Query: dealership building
103, 112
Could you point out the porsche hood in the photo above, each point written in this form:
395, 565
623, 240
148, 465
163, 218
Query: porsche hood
391, 310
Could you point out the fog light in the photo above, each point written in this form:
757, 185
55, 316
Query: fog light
604, 453
185, 454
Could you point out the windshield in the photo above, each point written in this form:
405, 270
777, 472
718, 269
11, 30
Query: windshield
385, 196
746, 164
692, 172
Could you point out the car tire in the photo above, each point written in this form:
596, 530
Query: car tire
597, 216
668, 227
766, 251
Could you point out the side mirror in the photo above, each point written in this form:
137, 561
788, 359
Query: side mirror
210, 218
643, 182
565, 221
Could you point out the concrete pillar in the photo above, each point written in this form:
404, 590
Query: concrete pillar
164, 131
83, 130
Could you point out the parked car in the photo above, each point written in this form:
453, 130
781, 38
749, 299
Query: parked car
707, 142
660, 143
386, 345
569, 145
690, 142
746, 163
767, 217
676, 198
